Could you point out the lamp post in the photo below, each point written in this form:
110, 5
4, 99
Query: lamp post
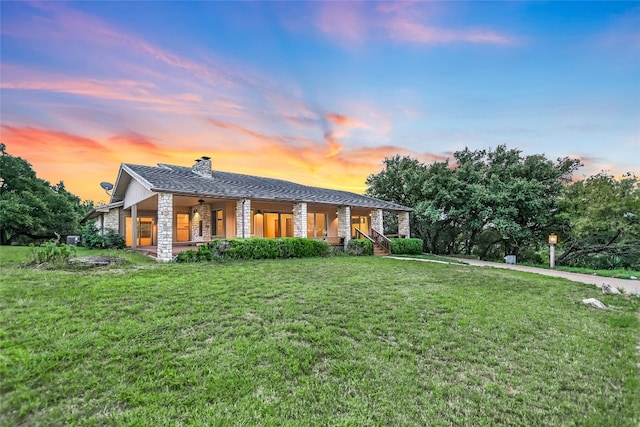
553, 239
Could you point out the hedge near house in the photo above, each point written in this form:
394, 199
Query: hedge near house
406, 246
256, 248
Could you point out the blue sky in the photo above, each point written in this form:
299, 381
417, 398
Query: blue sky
315, 92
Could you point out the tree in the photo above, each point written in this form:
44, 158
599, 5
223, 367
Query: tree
602, 222
30, 207
496, 197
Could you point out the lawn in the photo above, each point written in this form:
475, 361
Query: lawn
336, 341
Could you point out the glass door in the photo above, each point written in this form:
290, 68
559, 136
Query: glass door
361, 223
182, 227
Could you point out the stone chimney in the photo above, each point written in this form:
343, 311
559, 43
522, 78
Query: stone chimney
202, 166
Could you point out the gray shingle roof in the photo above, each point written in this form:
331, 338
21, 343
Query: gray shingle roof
182, 180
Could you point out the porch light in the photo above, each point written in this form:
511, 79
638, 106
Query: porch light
201, 202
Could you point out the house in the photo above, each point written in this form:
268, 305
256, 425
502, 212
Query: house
166, 207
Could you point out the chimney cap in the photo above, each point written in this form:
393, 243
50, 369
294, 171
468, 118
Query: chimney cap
206, 158
198, 160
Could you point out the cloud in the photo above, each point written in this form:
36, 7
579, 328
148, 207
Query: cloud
412, 32
402, 22
343, 20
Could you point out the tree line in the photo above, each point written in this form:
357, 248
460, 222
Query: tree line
493, 203
31, 209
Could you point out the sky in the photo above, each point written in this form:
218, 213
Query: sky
318, 93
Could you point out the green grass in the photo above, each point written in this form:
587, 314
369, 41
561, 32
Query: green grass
332, 341
430, 257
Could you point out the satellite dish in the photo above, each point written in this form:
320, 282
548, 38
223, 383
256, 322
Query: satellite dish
106, 186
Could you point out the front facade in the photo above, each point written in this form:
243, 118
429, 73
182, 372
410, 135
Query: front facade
167, 207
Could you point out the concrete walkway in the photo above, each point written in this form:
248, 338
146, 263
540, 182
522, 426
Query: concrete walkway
629, 286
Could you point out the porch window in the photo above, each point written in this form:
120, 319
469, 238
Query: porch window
316, 225
218, 222
278, 224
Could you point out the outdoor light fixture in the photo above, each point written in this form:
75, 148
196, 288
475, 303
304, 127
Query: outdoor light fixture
201, 202
553, 240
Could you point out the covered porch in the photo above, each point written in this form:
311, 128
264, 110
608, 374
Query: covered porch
166, 224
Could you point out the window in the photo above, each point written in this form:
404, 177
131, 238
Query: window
278, 224
218, 222
316, 225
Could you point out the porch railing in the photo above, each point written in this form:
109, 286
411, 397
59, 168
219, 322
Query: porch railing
377, 238
381, 240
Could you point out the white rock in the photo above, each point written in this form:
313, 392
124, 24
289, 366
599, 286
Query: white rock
610, 289
594, 303
633, 278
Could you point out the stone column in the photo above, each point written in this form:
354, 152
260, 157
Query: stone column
134, 226
243, 218
376, 220
300, 220
403, 225
201, 213
165, 227
344, 223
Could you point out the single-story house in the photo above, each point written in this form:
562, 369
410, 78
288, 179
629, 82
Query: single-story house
166, 207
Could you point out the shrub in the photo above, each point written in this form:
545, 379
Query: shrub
257, 248
359, 247
187, 256
50, 252
90, 236
113, 240
406, 246
92, 239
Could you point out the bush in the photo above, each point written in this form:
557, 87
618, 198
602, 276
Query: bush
50, 252
406, 246
359, 247
92, 239
256, 248
113, 240
187, 256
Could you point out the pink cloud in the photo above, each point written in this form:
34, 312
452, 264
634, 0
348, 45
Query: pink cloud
343, 20
407, 31
397, 21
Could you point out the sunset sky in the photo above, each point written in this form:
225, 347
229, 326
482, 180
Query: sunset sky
315, 92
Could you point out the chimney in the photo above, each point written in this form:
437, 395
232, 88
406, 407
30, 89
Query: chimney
202, 166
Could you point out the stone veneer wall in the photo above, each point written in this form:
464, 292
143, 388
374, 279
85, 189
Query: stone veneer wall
165, 227
247, 219
403, 224
201, 213
344, 223
300, 220
376, 220
112, 220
